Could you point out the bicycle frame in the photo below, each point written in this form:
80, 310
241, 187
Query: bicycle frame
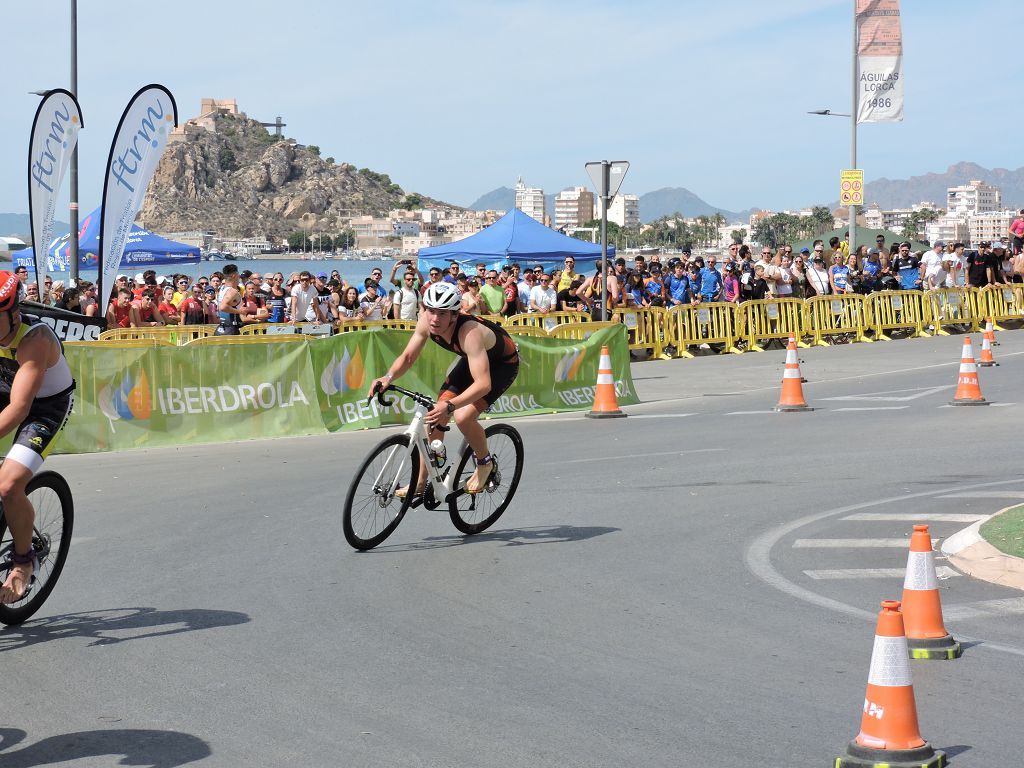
441, 479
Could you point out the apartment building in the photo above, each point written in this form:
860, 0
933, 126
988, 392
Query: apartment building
624, 210
973, 197
573, 207
530, 200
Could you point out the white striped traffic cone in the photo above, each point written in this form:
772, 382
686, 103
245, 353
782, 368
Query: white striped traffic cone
606, 406
927, 637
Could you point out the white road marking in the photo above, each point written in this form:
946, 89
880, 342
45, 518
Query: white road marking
849, 543
984, 495
985, 608
1002, 405
941, 571
871, 408
895, 395
758, 559
916, 517
640, 455
746, 413
662, 415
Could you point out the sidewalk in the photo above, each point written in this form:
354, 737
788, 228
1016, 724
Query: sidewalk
970, 553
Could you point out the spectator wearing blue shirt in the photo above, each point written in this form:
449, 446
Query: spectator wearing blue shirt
635, 290
453, 273
678, 287
710, 282
655, 287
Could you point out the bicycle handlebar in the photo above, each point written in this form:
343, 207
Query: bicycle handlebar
423, 400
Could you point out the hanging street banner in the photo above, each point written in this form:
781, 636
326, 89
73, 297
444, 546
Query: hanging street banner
138, 145
134, 397
52, 142
879, 62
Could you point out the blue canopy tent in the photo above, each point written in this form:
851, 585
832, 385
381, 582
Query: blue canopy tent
142, 248
515, 237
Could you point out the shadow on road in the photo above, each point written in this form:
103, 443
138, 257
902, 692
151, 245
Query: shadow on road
513, 537
108, 627
155, 749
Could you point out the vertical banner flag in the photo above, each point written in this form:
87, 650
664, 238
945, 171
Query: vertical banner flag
879, 62
138, 145
53, 139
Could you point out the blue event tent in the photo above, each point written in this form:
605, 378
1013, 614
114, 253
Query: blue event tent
515, 237
142, 248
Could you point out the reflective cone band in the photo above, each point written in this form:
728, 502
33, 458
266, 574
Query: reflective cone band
990, 332
606, 406
968, 389
986, 360
792, 397
889, 732
927, 637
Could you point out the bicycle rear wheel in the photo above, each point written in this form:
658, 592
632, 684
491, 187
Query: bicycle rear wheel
476, 512
372, 510
51, 539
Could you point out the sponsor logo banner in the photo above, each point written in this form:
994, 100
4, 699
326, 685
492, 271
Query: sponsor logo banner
54, 137
138, 145
133, 397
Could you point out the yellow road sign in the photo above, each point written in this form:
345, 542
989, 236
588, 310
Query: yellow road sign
851, 187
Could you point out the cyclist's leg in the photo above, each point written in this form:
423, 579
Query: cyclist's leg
468, 420
32, 444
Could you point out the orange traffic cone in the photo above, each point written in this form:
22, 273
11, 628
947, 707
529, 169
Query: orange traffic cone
968, 390
927, 637
986, 360
606, 406
889, 732
792, 398
990, 332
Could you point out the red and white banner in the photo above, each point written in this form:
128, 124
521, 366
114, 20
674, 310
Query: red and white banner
879, 62
138, 145
54, 136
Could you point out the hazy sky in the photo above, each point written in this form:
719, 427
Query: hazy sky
456, 97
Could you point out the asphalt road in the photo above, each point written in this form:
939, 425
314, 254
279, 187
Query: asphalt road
645, 600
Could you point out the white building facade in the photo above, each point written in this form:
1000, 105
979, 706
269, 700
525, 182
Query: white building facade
624, 210
530, 200
973, 197
573, 207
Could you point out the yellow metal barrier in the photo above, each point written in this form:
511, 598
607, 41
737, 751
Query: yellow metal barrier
121, 343
712, 323
891, 310
646, 328
252, 338
952, 306
765, 319
172, 334
837, 315
1001, 303
580, 331
376, 325
526, 330
547, 322
496, 319
271, 329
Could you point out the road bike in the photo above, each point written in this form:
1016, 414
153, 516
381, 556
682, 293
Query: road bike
51, 499
373, 508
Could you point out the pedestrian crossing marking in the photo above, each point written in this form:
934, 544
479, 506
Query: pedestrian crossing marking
984, 495
916, 517
984, 608
849, 543
942, 572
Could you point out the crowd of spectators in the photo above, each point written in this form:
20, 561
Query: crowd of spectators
736, 276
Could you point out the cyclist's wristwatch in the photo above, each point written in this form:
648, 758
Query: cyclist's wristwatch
450, 406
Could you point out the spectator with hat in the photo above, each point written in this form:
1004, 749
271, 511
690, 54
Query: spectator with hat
818, 281
931, 263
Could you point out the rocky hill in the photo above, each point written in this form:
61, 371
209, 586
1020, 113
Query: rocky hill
902, 193
240, 180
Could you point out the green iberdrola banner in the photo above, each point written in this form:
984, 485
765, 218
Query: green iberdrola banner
130, 397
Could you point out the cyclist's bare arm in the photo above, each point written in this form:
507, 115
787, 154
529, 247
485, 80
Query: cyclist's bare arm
404, 361
36, 353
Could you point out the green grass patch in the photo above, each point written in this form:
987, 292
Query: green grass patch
1006, 532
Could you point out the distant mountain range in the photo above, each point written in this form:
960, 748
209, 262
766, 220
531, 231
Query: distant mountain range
653, 205
18, 225
887, 193
931, 187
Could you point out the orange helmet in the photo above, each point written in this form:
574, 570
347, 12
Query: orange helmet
10, 291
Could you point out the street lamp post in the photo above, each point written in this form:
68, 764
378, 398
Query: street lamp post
853, 152
73, 203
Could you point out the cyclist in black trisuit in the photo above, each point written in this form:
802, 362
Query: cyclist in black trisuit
35, 399
488, 364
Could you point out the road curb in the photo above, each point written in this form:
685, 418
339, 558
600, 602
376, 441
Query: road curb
970, 553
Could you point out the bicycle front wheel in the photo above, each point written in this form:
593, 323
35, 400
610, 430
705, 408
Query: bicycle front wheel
373, 508
476, 512
50, 497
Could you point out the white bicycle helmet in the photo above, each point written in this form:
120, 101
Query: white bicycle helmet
442, 296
